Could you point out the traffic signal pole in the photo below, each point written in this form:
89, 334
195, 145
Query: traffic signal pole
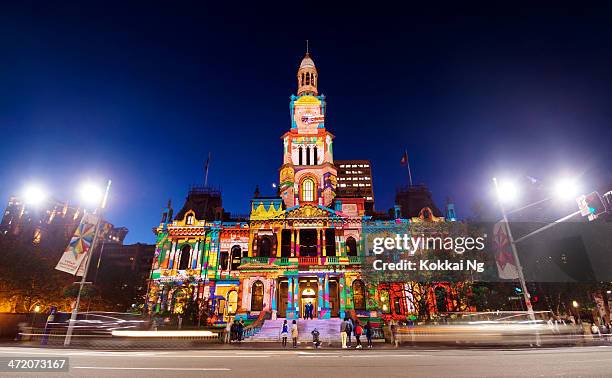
519, 268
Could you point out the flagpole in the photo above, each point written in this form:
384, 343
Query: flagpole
94, 242
206, 176
408, 167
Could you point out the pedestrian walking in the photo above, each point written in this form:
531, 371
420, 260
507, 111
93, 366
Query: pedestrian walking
368, 333
228, 331
343, 326
240, 330
358, 333
284, 333
294, 333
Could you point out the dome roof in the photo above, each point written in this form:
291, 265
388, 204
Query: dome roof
307, 62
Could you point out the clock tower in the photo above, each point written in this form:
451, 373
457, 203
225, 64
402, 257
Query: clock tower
308, 174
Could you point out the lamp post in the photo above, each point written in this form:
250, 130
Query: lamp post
101, 205
519, 268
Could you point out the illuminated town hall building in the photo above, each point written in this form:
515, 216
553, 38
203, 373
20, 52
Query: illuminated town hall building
305, 245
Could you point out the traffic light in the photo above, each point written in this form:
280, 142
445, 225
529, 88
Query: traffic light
591, 205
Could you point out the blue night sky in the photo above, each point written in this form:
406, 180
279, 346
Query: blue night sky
141, 93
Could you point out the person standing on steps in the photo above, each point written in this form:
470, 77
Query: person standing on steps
294, 333
343, 326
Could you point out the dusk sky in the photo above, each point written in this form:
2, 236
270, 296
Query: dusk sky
142, 93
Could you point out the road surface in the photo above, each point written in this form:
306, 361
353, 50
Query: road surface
576, 361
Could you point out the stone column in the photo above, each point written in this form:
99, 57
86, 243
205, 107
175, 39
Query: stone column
296, 297
297, 243
171, 258
318, 242
292, 243
320, 295
323, 242
273, 304
279, 232
326, 296
341, 285
289, 313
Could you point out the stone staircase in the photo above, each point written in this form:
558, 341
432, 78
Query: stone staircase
329, 330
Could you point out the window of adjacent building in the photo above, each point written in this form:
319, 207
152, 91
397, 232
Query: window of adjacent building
308, 187
223, 260
236, 257
384, 301
359, 295
330, 242
286, 243
257, 296
351, 246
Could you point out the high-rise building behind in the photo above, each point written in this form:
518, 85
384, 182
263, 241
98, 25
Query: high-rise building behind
355, 180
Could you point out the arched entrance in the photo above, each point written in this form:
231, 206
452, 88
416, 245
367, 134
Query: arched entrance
309, 296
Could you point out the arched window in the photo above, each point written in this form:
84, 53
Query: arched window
316, 157
236, 257
308, 155
190, 219
223, 260
232, 302
308, 187
307, 78
359, 295
184, 261
265, 247
257, 296
300, 159
351, 246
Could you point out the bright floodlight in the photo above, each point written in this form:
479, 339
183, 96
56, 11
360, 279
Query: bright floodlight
507, 191
566, 189
91, 194
34, 195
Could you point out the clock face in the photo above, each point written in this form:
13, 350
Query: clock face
307, 117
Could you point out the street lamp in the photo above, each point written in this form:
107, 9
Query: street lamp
507, 191
91, 194
34, 195
566, 188
94, 196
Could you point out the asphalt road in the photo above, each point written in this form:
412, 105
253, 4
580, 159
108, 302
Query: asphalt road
577, 361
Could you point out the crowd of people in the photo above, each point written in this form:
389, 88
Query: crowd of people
349, 328
234, 331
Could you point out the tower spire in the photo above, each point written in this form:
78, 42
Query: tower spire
306, 47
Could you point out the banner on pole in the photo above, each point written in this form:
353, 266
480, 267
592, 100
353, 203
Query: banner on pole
77, 251
504, 259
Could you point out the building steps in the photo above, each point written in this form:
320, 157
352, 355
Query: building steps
329, 330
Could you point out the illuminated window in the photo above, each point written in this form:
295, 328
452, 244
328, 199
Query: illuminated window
308, 190
257, 296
